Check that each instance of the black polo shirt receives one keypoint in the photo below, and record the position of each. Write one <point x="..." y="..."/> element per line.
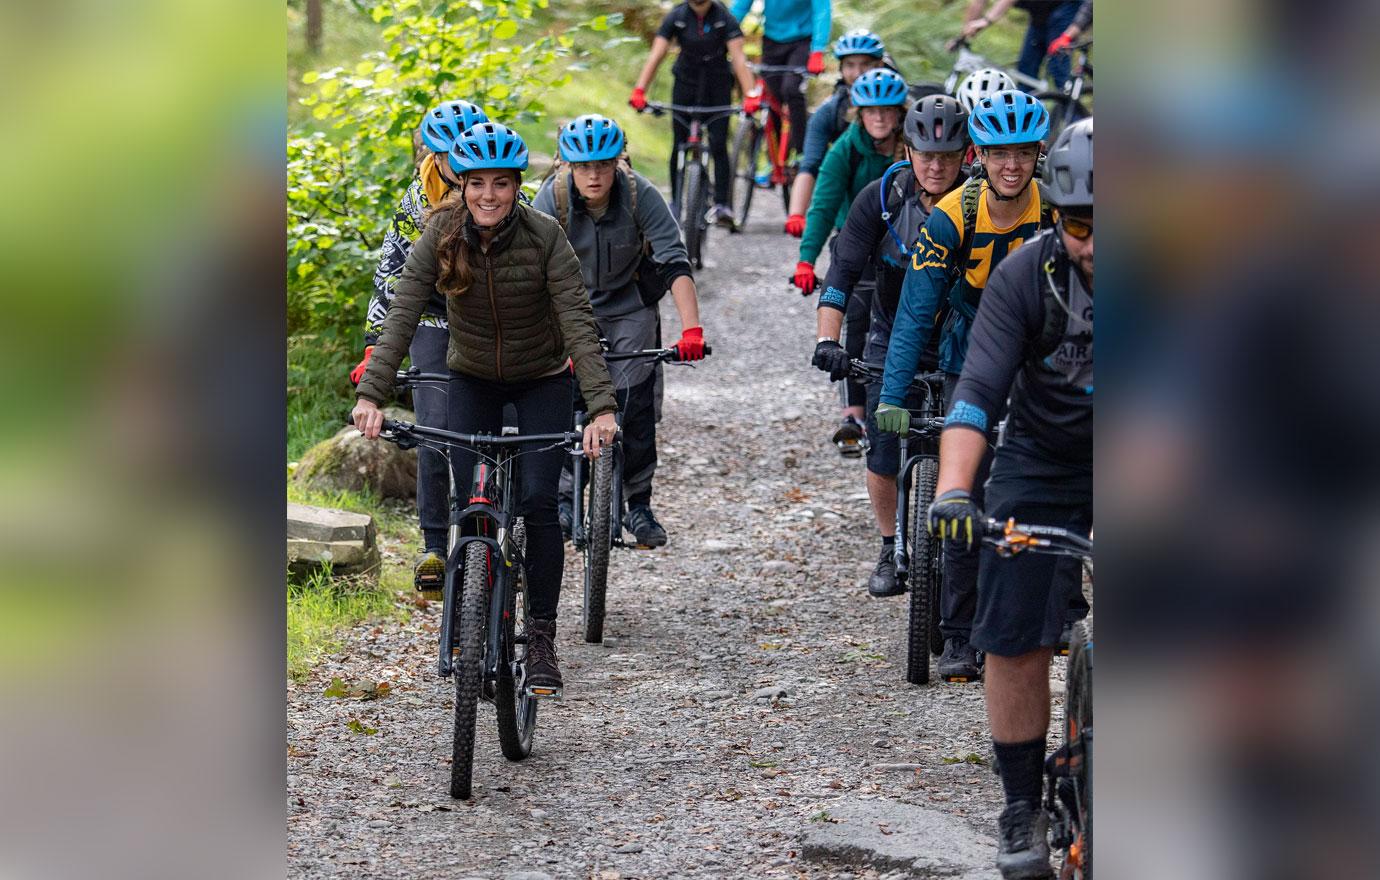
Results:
<point x="703" y="42"/>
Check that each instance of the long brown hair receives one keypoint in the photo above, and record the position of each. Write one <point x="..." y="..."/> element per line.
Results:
<point x="453" y="257"/>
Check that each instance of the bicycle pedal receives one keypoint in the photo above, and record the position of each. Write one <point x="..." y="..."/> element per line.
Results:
<point x="436" y="595"/>
<point x="851" y="448"/>
<point x="961" y="679"/>
<point x="543" y="693"/>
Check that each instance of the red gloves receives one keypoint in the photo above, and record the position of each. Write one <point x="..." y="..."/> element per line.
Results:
<point x="638" y="99"/>
<point x="795" y="225"/>
<point x="691" y="345"/>
<point x="753" y="102"/>
<point x="816" y="63"/>
<point x="804" y="278"/>
<point x="358" y="372"/>
<point x="1061" y="42"/>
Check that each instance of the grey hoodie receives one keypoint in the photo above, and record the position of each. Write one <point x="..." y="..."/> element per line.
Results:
<point x="610" y="248"/>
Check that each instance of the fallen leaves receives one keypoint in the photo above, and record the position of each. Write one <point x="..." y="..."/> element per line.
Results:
<point x="357" y="690"/>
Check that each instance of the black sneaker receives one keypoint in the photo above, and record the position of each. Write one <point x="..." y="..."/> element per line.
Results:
<point x="647" y="532"/>
<point x="1024" y="850"/>
<point x="429" y="574"/>
<point x="565" y="514"/>
<point x="959" y="662"/>
<point x="543" y="673"/>
<point x="850" y="438"/>
<point x="722" y="215"/>
<point x="883" y="582"/>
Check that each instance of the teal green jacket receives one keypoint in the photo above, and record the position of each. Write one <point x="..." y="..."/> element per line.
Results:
<point x="851" y="164"/>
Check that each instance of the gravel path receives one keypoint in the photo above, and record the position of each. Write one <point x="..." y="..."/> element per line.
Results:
<point x="746" y="683"/>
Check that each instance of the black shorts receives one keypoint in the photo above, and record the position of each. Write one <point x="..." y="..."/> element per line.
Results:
<point x="1024" y="601"/>
<point x="884" y="449"/>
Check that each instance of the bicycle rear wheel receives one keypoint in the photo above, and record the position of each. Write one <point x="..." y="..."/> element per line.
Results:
<point x="468" y="668"/>
<point x="693" y="190"/>
<point x="747" y="149"/>
<point x="517" y="712"/>
<point x="1078" y="728"/>
<point x="597" y="545"/>
<point x="922" y="564"/>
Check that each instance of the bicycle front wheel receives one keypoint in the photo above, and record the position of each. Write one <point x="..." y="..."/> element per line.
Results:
<point x="468" y="668"/>
<point x="922" y="565"/>
<point x="693" y="192"/>
<point x="747" y="149"/>
<point x="1078" y="722"/>
<point x="517" y="712"/>
<point x="597" y="545"/>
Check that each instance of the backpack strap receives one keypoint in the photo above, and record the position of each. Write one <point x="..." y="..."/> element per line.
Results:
<point x="1053" y="288"/>
<point x="561" y="192"/>
<point x="972" y="193"/>
<point x="882" y="193"/>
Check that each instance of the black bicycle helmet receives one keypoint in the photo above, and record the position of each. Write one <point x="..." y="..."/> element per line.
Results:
<point x="1069" y="167"/>
<point x="937" y="124"/>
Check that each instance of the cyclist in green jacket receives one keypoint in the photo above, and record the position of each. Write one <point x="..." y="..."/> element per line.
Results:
<point x="861" y="154"/>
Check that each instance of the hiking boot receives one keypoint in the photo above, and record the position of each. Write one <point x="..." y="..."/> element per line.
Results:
<point x="959" y="661"/>
<point x="1024" y="850"/>
<point x="647" y="532"/>
<point x="542" y="669"/>
<point x="850" y="438"/>
<point x="722" y="215"/>
<point x="565" y="514"/>
<point x="883" y="582"/>
<point x="429" y="574"/>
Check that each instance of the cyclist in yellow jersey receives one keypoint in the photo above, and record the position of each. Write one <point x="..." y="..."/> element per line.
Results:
<point x="970" y="231"/>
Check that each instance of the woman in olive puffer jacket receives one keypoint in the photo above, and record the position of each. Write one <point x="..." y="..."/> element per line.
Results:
<point x="517" y="308"/>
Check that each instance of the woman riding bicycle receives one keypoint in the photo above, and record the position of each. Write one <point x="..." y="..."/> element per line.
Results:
<point x="936" y="131"/>
<point x="795" y="33"/>
<point x="607" y="224"/>
<point x="858" y="52"/>
<point x="517" y="309"/>
<point x="709" y="38"/>
<point x="857" y="158"/>
<point x="432" y="183"/>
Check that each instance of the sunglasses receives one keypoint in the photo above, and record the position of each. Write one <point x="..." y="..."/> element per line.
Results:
<point x="1080" y="228"/>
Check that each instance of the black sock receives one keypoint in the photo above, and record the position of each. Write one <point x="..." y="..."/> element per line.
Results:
<point x="434" y="540"/>
<point x="888" y="544"/>
<point x="1022" y="769"/>
<point x="640" y="499"/>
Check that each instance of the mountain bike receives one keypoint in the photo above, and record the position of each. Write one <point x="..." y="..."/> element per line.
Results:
<point x="484" y="597"/>
<point x="969" y="61"/>
<point x="745" y="157"/>
<point x="597" y="507"/>
<point x="919" y="556"/>
<point x="693" y="160"/>
<point x="1068" y="770"/>
<point x="1067" y="106"/>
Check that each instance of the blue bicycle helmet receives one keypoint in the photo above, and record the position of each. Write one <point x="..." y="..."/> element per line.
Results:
<point x="488" y="146"/>
<point x="590" y="138"/>
<point x="859" y="42"/>
<point x="880" y="88"/>
<point x="447" y="121"/>
<point x="1008" y="117"/>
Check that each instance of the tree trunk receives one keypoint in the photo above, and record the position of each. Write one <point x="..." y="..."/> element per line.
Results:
<point x="314" y="26"/>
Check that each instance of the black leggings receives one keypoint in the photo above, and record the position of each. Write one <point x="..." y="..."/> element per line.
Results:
<point x="789" y="87"/>
<point x="543" y="406"/>
<point x="703" y="94"/>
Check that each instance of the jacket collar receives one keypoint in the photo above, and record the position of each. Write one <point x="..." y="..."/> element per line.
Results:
<point x="503" y="236"/>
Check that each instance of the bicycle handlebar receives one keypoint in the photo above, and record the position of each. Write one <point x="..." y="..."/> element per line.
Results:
<point x="662" y="354"/>
<point x="657" y="108"/>
<point x="860" y="369"/>
<point x="1010" y="537"/>
<point x="394" y="430"/>
<point x="779" y="68"/>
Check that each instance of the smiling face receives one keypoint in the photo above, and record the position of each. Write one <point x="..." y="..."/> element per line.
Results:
<point x="1010" y="168"/>
<point x="853" y="66"/>
<point x="1076" y="230"/>
<point x="594" y="180"/>
<point x="936" y="172"/>
<point x="490" y="195"/>
<point x="880" y="122"/>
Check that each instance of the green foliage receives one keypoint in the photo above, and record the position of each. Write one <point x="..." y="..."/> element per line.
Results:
<point x="344" y="181"/>
<point x="319" y="608"/>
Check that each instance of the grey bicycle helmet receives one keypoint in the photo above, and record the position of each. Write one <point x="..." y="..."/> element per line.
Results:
<point x="979" y="84"/>
<point x="1069" y="167"/>
<point x="937" y="124"/>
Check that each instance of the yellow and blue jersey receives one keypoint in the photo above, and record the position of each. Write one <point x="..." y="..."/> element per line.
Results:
<point x="934" y="277"/>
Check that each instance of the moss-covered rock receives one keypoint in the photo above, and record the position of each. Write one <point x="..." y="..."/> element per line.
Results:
<point x="348" y="461"/>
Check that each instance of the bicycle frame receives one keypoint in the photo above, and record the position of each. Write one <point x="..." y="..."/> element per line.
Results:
<point x="969" y="61"/>
<point x="778" y="124"/>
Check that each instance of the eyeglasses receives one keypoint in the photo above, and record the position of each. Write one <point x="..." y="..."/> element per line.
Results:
<point x="595" y="167"/>
<point x="1022" y="156"/>
<point x="935" y="158"/>
<point x="1080" y="228"/>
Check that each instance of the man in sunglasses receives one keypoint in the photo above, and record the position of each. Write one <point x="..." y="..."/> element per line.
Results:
<point x="1033" y="342"/>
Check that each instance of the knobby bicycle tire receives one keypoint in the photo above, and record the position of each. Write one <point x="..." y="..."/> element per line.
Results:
<point x="747" y="149"/>
<point x="468" y="668"/>
<point x="600" y="540"/>
<point x="517" y="712"/>
<point x="921" y="563"/>
<point x="693" y="190"/>
<point x="1078" y="713"/>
